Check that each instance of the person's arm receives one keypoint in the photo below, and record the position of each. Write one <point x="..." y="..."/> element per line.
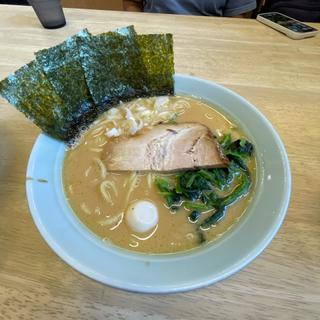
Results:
<point x="239" y="9"/>
<point x="132" y="5"/>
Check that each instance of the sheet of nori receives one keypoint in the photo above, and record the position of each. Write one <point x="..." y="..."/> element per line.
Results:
<point x="157" y="53"/>
<point x="63" y="68"/>
<point x="114" y="68"/>
<point x="30" y="92"/>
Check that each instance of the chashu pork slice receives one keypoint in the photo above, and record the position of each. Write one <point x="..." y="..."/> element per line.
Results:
<point x="165" y="147"/>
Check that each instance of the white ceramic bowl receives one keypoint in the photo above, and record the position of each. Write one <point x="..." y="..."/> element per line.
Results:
<point x="81" y="249"/>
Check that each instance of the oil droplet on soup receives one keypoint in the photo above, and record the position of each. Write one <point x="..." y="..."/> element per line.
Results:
<point x="110" y="204"/>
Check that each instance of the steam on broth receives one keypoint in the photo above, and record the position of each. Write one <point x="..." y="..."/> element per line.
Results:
<point x="102" y="200"/>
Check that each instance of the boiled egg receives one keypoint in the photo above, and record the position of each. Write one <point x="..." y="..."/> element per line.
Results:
<point x="142" y="216"/>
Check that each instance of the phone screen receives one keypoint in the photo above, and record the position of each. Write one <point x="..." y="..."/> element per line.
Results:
<point x="287" y="22"/>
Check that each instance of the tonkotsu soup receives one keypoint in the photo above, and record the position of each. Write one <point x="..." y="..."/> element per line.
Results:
<point x="103" y="200"/>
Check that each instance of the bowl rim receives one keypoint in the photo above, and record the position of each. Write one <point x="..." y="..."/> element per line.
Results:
<point x="188" y="285"/>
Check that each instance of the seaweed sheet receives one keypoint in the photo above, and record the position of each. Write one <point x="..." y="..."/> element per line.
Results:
<point x="113" y="66"/>
<point x="157" y="53"/>
<point x="58" y="93"/>
<point x="63" y="68"/>
<point x="30" y="92"/>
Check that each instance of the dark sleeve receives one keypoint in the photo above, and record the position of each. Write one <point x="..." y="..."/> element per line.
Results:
<point x="235" y="7"/>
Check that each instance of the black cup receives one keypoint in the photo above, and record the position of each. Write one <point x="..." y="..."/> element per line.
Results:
<point x="49" y="13"/>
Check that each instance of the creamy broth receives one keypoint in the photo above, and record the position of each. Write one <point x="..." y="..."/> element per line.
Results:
<point x="100" y="199"/>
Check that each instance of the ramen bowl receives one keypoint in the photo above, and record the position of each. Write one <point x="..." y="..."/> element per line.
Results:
<point x="163" y="273"/>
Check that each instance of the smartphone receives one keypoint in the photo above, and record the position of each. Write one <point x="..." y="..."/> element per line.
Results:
<point x="293" y="28"/>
